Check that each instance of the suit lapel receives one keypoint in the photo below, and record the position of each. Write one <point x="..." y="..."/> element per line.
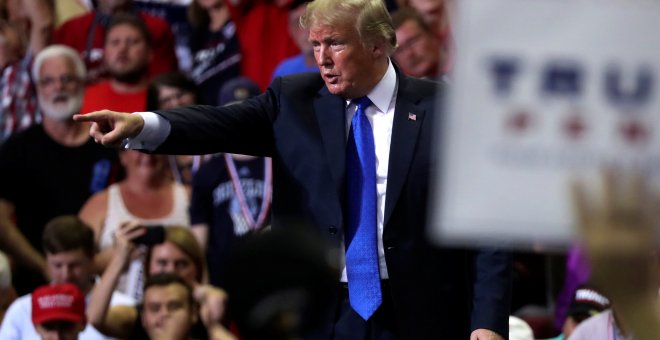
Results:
<point x="331" y="117"/>
<point x="408" y="118"/>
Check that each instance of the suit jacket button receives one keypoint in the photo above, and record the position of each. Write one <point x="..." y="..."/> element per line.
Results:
<point x="332" y="230"/>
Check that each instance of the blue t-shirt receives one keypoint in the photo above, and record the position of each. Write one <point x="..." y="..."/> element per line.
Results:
<point x="293" y="65"/>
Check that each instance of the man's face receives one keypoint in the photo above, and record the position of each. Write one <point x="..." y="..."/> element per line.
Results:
<point x="170" y="97"/>
<point x="71" y="266"/>
<point x="347" y="66"/>
<point x="418" y="52"/>
<point x="433" y="11"/>
<point x="59" y="90"/>
<point x="126" y="53"/>
<point x="167" y="312"/>
<point x="300" y="35"/>
<point x="59" y="330"/>
<point x="168" y="258"/>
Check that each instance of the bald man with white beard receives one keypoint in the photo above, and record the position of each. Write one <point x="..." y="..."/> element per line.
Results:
<point x="51" y="168"/>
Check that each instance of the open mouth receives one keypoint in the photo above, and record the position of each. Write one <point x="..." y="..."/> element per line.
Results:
<point x="331" y="78"/>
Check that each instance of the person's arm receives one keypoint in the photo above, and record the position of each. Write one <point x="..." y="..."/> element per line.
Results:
<point x="492" y="294"/>
<point x="93" y="213"/>
<point x="15" y="244"/>
<point x="41" y="14"/>
<point x="115" y="321"/>
<point x="201" y="232"/>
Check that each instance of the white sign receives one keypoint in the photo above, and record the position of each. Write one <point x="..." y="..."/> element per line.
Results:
<point x="542" y="90"/>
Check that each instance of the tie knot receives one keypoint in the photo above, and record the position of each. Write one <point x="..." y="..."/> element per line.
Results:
<point x="362" y="103"/>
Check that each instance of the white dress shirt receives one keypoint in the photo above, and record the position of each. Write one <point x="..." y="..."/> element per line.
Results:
<point x="380" y="115"/>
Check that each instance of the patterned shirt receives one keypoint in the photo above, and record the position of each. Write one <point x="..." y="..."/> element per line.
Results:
<point x="18" y="98"/>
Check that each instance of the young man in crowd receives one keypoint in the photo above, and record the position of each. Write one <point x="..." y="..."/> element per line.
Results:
<point x="69" y="247"/>
<point x="168" y="308"/>
<point x="58" y="311"/>
<point x="127" y="56"/>
<point x="86" y="34"/>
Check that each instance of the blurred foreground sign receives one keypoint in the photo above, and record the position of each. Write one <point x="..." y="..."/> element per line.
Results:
<point x="543" y="91"/>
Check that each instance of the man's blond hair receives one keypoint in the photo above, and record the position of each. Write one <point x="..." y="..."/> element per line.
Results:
<point x="370" y="17"/>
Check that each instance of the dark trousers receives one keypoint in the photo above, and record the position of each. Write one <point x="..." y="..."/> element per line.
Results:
<point x="349" y="325"/>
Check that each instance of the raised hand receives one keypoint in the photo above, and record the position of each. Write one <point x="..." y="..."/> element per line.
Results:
<point x="110" y="128"/>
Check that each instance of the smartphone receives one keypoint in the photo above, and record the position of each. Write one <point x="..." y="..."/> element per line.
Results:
<point x="153" y="235"/>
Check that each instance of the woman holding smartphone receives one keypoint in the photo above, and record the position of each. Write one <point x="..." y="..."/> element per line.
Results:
<point x="148" y="195"/>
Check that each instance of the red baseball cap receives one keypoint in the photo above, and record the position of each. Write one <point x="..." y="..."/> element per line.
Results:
<point x="61" y="302"/>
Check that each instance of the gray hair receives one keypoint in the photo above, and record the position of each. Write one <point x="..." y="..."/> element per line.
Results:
<point x="53" y="51"/>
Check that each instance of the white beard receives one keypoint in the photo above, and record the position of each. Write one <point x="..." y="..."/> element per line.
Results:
<point x="61" y="111"/>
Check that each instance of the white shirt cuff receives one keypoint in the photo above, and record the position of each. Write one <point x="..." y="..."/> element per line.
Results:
<point x="154" y="132"/>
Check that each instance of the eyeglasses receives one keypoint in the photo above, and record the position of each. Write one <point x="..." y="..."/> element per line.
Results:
<point x="65" y="80"/>
<point x="173" y="98"/>
<point x="409" y="43"/>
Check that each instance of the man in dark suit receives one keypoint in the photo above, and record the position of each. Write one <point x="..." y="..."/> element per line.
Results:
<point x="302" y="122"/>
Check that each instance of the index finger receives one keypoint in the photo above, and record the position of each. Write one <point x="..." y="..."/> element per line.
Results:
<point x="90" y="117"/>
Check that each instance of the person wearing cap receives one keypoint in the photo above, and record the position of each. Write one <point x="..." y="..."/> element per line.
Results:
<point x="587" y="302"/>
<point x="58" y="311"/>
<point x="353" y="159"/>
<point x="69" y="247"/>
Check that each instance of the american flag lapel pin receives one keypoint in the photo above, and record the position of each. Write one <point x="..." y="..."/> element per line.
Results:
<point x="412" y="116"/>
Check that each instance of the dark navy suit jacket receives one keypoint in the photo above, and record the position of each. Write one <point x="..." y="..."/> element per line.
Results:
<point x="437" y="293"/>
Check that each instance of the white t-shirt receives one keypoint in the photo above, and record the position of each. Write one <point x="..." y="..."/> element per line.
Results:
<point x="17" y="324"/>
<point x="600" y="326"/>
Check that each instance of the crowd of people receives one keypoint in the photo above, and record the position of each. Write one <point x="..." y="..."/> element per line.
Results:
<point x="218" y="169"/>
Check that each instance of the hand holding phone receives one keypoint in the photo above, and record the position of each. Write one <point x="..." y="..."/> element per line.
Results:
<point x="152" y="235"/>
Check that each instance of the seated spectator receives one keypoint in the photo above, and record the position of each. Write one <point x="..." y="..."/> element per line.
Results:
<point x="168" y="308"/>
<point x="216" y="54"/>
<point x="58" y="311"/>
<point x="171" y="90"/>
<point x="69" y="247"/>
<point x="168" y="91"/>
<point x="147" y="194"/>
<point x="436" y="14"/>
<point x="49" y="169"/>
<point x="305" y="61"/>
<point x="18" y="107"/>
<point x="418" y="49"/>
<point x="179" y="253"/>
<point x="127" y="56"/>
<point x="86" y="34"/>
<point x="586" y="303"/>
<point x="231" y="194"/>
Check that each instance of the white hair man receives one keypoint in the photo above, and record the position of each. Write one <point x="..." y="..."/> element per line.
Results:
<point x="51" y="168"/>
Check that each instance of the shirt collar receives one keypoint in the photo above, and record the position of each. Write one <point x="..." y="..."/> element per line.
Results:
<point x="383" y="93"/>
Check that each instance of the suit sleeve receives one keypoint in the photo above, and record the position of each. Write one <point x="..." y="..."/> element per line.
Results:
<point x="492" y="291"/>
<point x="245" y="128"/>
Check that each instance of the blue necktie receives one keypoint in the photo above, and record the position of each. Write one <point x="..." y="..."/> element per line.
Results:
<point x="361" y="239"/>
